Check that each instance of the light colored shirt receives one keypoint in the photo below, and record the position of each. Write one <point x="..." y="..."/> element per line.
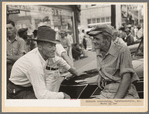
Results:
<point x="60" y="50"/>
<point x="69" y="37"/>
<point x="112" y="67"/>
<point x="29" y="71"/>
<point x="65" y="42"/>
<point x="116" y="63"/>
<point x="139" y="33"/>
<point x="16" y="47"/>
<point x="53" y="77"/>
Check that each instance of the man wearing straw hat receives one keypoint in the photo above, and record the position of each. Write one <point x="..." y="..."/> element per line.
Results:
<point x="116" y="72"/>
<point x="28" y="77"/>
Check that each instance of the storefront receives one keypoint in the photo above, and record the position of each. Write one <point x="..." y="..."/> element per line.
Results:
<point x="59" y="17"/>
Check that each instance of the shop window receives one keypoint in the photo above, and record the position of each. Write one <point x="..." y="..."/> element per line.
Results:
<point x="89" y="21"/>
<point x="98" y="20"/>
<point x="32" y="16"/>
<point x="94" y="20"/>
<point x="102" y="19"/>
<point x="107" y="19"/>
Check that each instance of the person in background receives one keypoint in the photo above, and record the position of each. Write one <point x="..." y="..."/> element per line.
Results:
<point x="65" y="42"/>
<point x="15" y="46"/>
<point x="117" y="39"/>
<point x="28" y="76"/>
<point x="122" y="33"/>
<point x="35" y="34"/>
<point x="129" y="38"/>
<point x="84" y="42"/>
<point x="139" y="32"/>
<point x="23" y="34"/>
<point x="81" y="36"/>
<point x="69" y="37"/>
<point x="76" y="51"/>
<point x="114" y="64"/>
<point x="33" y="44"/>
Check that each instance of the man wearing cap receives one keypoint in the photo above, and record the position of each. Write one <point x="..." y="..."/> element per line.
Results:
<point x="15" y="46"/>
<point x="114" y="63"/>
<point x="23" y="34"/>
<point x="28" y="76"/>
<point x="122" y="33"/>
<point x="129" y="38"/>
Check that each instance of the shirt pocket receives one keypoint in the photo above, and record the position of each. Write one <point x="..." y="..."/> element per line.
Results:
<point x="110" y="70"/>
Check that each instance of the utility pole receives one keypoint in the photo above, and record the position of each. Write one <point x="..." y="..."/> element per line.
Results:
<point x="113" y="16"/>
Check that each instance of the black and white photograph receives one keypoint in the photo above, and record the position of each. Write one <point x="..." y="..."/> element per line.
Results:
<point x="74" y="52"/>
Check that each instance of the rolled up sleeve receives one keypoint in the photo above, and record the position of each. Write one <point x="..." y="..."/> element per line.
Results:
<point x="36" y="77"/>
<point x="63" y="63"/>
<point x="126" y="64"/>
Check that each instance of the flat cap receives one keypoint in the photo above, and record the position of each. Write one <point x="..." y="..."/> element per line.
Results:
<point x="22" y="30"/>
<point x="101" y="29"/>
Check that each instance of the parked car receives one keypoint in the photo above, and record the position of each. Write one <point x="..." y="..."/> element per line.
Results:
<point x="78" y="90"/>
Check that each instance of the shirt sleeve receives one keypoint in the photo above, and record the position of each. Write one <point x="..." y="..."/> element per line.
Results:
<point x="126" y="64"/>
<point x="36" y="77"/>
<point x="22" y="46"/>
<point x="63" y="63"/>
<point x="59" y="49"/>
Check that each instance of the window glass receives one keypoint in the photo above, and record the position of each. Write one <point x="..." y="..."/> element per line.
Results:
<point x="89" y="21"/>
<point x="98" y="20"/>
<point x="33" y="16"/>
<point x="107" y="19"/>
<point x="102" y="19"/>
<point x="94" y="20"/>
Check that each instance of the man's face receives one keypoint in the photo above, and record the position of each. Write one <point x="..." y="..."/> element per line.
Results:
<point x="48" y="50"/>
<point x="11" y="31"/>
<point x="62" y="35"/>
<point x="24" y="35"/>
<point x="99" y="41"/>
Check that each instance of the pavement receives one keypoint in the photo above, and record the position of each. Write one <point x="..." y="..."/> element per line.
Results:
<point x="86" y="63"/>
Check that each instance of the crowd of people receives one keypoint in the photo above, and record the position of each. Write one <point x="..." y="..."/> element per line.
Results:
<point x="37" y="65"/>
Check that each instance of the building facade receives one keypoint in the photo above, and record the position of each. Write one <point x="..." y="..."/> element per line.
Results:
<point x="93" y="14"/>
<point x="58" y="17"/>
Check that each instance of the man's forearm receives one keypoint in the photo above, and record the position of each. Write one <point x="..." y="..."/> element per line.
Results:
<point x="73" y="71"/>
<point x="124" y="86"/>
<point x="67" y="59"/>
<point x="13" y="58"/>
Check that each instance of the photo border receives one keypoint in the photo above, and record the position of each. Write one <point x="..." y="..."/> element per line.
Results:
<point x="42" y="109"/>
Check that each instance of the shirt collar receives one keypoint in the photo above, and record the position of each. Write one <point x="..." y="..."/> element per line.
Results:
<point x="112" y="50"/>
<point x="15" y="39"/>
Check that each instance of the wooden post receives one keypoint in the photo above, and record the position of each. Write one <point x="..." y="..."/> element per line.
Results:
<point x="113" y="16"/>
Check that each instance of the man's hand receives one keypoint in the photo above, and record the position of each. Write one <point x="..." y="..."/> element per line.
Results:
<point x="91" y="80"/>
<point x="66" y="96"/>
<point x="99" y="82"/>
<point x="80" y="73"/>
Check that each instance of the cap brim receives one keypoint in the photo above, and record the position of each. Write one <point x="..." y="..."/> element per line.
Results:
<point x="55" y="42"/>
<point x="93" y="33"/>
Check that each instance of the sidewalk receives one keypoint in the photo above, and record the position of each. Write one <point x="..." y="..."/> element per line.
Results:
<point x="87" y="63"/>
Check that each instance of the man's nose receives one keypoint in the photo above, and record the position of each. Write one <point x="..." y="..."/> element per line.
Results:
<point x="54" y="48"/>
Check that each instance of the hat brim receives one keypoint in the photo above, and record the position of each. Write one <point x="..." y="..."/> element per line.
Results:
<point x="55" y="42"/>
<point x="93" y="33"/>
